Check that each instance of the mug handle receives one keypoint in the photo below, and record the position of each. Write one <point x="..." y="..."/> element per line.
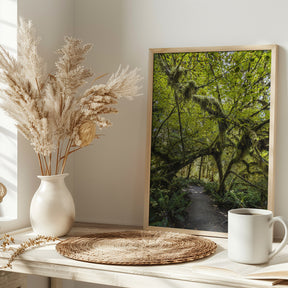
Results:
<point x="285" y="238"/>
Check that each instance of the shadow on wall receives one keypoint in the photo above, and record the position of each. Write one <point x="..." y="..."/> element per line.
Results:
<point x="8" y="169"/>
<point x="8" y="132"/>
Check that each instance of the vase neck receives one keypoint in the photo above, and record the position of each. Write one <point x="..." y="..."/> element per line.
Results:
<point x="53" y="178"/>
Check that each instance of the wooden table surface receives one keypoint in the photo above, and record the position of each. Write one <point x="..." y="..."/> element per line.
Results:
<point x="208" y="272"/>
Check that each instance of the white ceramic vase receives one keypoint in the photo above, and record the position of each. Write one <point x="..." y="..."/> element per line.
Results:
<point x="52" y="210"/>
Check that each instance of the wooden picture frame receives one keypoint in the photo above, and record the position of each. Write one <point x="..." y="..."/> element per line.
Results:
<point x="212" y="108"/>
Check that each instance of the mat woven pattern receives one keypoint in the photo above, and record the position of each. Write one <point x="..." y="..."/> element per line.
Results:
<point x="137" y="247"/>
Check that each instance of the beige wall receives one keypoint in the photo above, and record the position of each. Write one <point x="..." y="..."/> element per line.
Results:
<point x="8" y="131"/>
<point x="109" y="176"/>
<point x="110" y="173"/>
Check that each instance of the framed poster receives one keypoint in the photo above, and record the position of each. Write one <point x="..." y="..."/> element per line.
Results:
<point x="211" y="118"/>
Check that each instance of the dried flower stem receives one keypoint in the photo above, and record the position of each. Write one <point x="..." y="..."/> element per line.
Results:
<point x="6" y="241"/>
<point x="70" y="152"/>
<point x="66" y="155"/>
<point x="24" y="246"/>
<point x="50" y="163"/>
<point x="46" y="166"/>
<point x="99" y="77"/>
<point x="57" y="157"/>
<point x="40" y="164"/>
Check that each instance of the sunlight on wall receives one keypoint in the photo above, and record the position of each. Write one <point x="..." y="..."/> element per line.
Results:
<point x="8" y="133"/>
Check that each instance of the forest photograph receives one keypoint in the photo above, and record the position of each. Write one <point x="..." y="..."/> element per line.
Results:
<point x="209" y="136"/>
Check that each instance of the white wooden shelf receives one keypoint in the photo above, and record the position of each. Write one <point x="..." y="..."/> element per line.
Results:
<point x="209" y="272"/>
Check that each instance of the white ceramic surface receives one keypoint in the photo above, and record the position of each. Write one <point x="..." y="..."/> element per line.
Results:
<point x="52" y="210"/>
<point x="250" y="235"/>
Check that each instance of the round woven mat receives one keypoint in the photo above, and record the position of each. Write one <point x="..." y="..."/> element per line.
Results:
<point x="137" y="247"/>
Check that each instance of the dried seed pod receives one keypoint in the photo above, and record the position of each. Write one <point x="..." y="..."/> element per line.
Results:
<point x="3" y="191"/>
<point x="87" y="132"/>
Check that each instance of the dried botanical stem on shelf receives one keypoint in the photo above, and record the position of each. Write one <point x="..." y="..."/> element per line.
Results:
<point x="8" y="240"/>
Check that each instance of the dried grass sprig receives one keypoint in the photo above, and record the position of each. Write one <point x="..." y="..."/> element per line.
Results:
<point x="28" y="57"/>
<point x="3" y="191"/>
<point x="8" y="240"/>
<point x="46" y="108"/>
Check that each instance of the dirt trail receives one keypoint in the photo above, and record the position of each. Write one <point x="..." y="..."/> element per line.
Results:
<point x="203" y="214"/>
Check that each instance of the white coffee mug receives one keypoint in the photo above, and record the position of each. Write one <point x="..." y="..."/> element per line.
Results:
<point x="250" y="235"/>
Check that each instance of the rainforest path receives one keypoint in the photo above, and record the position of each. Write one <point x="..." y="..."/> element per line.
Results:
<point x="203" y="214"/>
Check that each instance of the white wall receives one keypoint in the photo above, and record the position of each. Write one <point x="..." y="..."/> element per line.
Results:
<point x="111" y="173"/>
<point x="109" y="176"/>
<point x="8" y="131"/>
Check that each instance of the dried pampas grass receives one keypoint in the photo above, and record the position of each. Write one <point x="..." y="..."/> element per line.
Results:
<point x="46" y="107"/>
<point x="7" y="241"/>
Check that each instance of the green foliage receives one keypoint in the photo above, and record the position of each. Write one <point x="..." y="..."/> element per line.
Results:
<point x="196" y="182"/>
<point x="242" y="196"/>
<point x="211" y="188"/>
<point x="210" y="122"/>
<point x="168" y="206"/>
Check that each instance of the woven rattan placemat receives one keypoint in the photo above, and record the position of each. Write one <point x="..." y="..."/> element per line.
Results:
<point x="137" y="247"/>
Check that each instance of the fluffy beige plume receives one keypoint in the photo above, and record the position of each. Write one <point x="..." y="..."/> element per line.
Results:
<point x="21" y="96"/>
<point x="60" y="98"/>
<point x="28" y="57"/>
<point x="124" y="83"/>
<point x="70" y="74"/>
<point x="99" y="99"/>
<point x="46" y="108"/>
